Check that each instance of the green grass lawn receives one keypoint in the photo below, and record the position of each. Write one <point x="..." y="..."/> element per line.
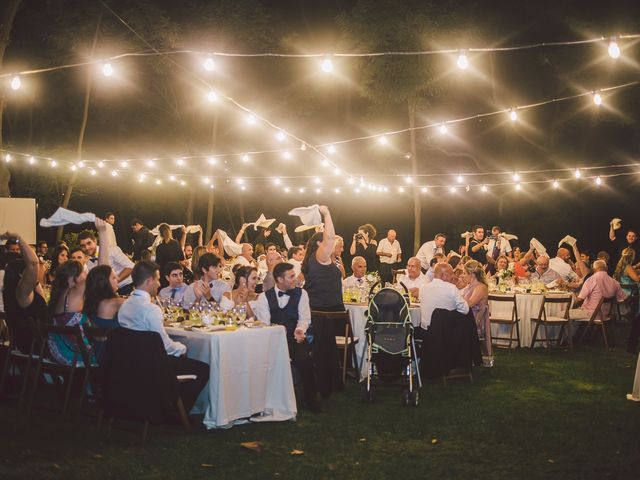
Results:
<point x="536" y="414"/>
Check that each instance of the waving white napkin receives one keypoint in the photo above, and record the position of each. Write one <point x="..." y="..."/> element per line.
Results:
<point x="62" y="216"/>
<point x="309" y="216"/>
<point x="568" y="239"/>
<point x="538" y="247"/>
<point x="616" y="223"/>
<point x="466" y="234"/>
<point x="508" y="236"/>
<point x="263" y="222"/>
<point x="190" y="228"/>
<point x="232" y="248"/>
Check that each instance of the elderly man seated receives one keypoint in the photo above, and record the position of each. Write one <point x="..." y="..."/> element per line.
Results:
<point x="440" y="293"/>
<point x="561" y="264"/>
<point x="414" y="279"/>
<point x="600" y="285"/>
<point x="359" y="267"/>
<point x="543" y="273"/>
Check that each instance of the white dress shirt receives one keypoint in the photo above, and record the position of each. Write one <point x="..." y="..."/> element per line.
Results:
<point x="439" y="294"/>
<point x="118" y="262"/>
<point x="417" y="282"/>
<point x="263" y="312"/>
<point x="240" y="260"/>
<point x="563" y="269"/>
<point x="426" y="253"/>
<point x="138" y="313"/>
<point x="385" y="246"/>
<point x="503" y="245"/>
<point x="353" y="281"/>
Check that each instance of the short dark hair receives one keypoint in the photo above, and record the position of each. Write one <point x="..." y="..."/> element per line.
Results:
<point x="206" y="261"/>
<point x="280" y="269"/>
<point x="83" y="235"/>
<point x="143" y="270"/>
<point x="293" y="250"/>
<point x="41" y="242"/>
<point x="475" y="227"/>
<point x="496" y="226"/>
<point x="270" y="244"/>
<point x="632" y="230"/>
<point x="136" y="221"/>
<point x="76" y="249"/>
<point x="12" y="241"/>
<point x="170" y="267"/>
<point x="440" y="235"/>
<point x="108" y="214"/>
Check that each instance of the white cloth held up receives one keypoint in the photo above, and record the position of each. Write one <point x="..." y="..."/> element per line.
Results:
<point x="263" y="222"/>
<point x="537" y="246"/>
<point x="62" y="216"/>
<point x="309" y="216"/>
<point x="616" y="223"/>
<point x="230" y="247"/>
<point x="569" y="240"/>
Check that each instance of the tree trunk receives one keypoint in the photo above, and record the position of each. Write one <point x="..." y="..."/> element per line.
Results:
<point x="210" y="202"/>
<point x="190" y="207"/>
<point x="9" y="10"/>
<point x="417" y="201"/>
<point x="83" y="127"/>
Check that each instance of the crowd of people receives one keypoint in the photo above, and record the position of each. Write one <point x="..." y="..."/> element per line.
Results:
<point x="96" y="283"/>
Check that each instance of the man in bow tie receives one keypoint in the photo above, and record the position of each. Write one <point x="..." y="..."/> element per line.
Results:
<point x="288" y="305"/>
<point x="359" y="267"/>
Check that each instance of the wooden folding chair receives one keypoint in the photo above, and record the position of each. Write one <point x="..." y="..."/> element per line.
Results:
<point x="632" y="302"/>
<point x="347" y="343"/>
<point x="396" y="273"/>
<point x="546" y="321"/>
<point x="601" y="319"/>
<point x="514" y="321"/>
<point x="16" y="358"/>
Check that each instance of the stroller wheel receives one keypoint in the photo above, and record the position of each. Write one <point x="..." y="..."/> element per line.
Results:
<point x="368" y="396"/>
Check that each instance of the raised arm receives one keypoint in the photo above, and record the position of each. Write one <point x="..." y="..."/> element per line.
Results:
<point x="581" y="268"/>
<point x="241" y="232"/>
<point x="323" y="254"/>
<point x="29" y="280"/>
<point x="103" y="253"/>
<point x="612" y="233"/>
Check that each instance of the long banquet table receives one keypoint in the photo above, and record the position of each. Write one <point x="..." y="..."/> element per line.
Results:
<point x="250" y="377"/>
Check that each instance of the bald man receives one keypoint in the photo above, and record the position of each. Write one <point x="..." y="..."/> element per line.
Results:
<point x="414" y="279"/>
<point x="359" y="267"/>
<point x="598" y="286"/>
<point x="390" y="253"/>
<point x="440" y="293"/>
<point x="246" y="257"/>
<point x="561" y="264"/>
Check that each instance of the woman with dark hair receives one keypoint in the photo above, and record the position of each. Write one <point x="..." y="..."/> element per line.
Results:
<point x="244" y="291"/>
<point x="364" y="245"/>
<point x="67" y="298"/>
<point x="169" y="250"/>
<point x="101" y="300"/>
<point x="22" y="295"/>
<point x="59" y="256"/>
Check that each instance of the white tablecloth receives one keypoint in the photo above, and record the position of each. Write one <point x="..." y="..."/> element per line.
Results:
<point x="250" y="374"/>
<point x="528" y="306"/>
<point x="359" y="322"/>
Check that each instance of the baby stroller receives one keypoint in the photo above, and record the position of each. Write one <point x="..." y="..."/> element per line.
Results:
<point x="390" y="348"/>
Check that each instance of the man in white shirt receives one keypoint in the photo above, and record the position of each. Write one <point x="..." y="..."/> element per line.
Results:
<point x="288" y="305"/>
<point x="560" y="264"/>
<point x="414" y="278"/>
<point x="175" y="277"/>
<point x="440" y="294"/>
<point x="497" y="246"/>
<point x="359" y="267"/>
<point x="429" y="249"/>
<point x="139" y="313"/>
<point x="119" y="262"/>
<point x="209" y="286"/>
<point x="246" y="257"/>
<point x="296" y="255"/>
<point x="390" y="253"/>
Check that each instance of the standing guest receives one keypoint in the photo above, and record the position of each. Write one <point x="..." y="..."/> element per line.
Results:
<point x="288" y="305"/>
<point x="174" y="277"/>
<point x="295" y="256"/>
<point x="440" y="293"/>
<point x="273" y="259"/>
<point x="390" y="254"/>
<point x="118" y="261"/>
<point x="139" y="313"/>
<point x="429" y="249"/>
<point x="188" y="253"/>
<point x="78" y="255"/>
<point x="142" y="238"/>
<point x="244" y="291"/>
<point x="359" y="268"/>
<point x="110" y="218"/>
<point x="66" y="304"/>
<point x="208" y="286"/>
<point x="42" y="248"/>
<point x="336" y="255"/>
<point x="497" y="247"/>
<point x="620" y="243"/>
<point x="476" y="294"/>
<point x="59" y="256"/>
<point x="414" y="279"/>
<point x="477" y="245"/>
<point x="169" y="250"/>
<point x="364" y="245"/>
<point x="101" y="299"/>
<point x="22" y="295"/>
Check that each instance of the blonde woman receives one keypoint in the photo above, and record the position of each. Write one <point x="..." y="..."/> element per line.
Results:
<point x="476" y="293"/>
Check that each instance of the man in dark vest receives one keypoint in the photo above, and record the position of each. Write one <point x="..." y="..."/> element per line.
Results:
<point x="288" y="305"/>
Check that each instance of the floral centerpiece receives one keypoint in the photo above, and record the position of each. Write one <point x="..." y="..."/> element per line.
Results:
<point x="373" y="278"/>
<point x="506" y="278"/>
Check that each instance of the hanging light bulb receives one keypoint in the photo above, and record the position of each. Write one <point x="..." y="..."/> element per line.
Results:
<point x="351" y="181"/>
<point x="107" y="70"/>
<point x="336" y="190"/>
<point x="301" y="190"/>
<point x="172" y="178"/>
<point x="277" y="181"/>
<point x="556" y="184"/>
<point x="8" y="157"/>
<point x="331" y="149"/>
<point x="597" y="99"/>
<point x="614" y="49"/>
<point x="100" y="164"/>
<point x="206" y="180"/>
<point x="74" y="168"/>
<point x="462" y="61"/>
<point x="280" y="136"/>
<point x="401" y="189"/>
<point x="318" y="190"/>
<point x="327" y="64"/>
<point x="53" y="164"/>
<point x="452" y="189"/>
<point x="516" y="177"/>
<point x="459" y="179"/>
<point x="287" y="189"/>
<point x="513" y="115"/>
<point x="158" y="181"/>
<point x="180" y="162"/>
<point x="93" y="172"/>
<point x="32" y="160"/>
<point x="424" y="190"/>
<point x="357" y="190"/>
<point x="212" y="96"/>
<point x="443" y="129"/>
<point x="598" y="181"/>
<point x="317" y="181"/>
<point x="303" y="147"/>
<point x="518" y="187"/>
<point x="16" y="83"/>
<point x="382" y="140"/>
<point x="287" y="155"/>
<point x="337" y="171"/>
<point x="114" y="173"/>
<point x="408" y="179"/>
<point x="150" y="163"/>
<point x="209" y="64"/>
<point x="182" y="183"/>
<point x="81" y="164"/>
<point x="245" y="158"/>
<point x="124" y="164"/>
<point x="251" y="119"/>
<point x="325" y="162"/>
<point x="484" y="189"/>
<point x="577" y="173"/>
<point x="211" y="160"/>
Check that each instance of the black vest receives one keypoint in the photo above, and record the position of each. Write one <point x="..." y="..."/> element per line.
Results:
<point x="287" y="316"/>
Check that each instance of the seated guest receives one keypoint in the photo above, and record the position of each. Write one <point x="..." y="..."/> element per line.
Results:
<point x="66" y="304"/>
<point x="476" y="294"/>
<point x="437" y="258"/>
<point x="169" y="250"/>
<point x="414" y="279"/>
<point x="101" y="299"/>
<point x="625" y="273"/>
<point x="139" y="313"/>
<point x="197" y="253"/>
<point x="543" y="273"/>
<point x="119" y="262"/>
<point x="78" y="255"/>
<point x="597" y="286"/>
<point x="288" y="305"/>
<point x="173" y="274"/>
<point x="440" y="293"/>
<point x="245" y="258"/>
<point x="273" y="258"/>
<point x="22" y="294"/>
<point x="209" y="286"/>
<point x="359" y="267"/>
<point x="244" y="291"/>
<point x="59" y="256"/>
<point x="561" y="263"/>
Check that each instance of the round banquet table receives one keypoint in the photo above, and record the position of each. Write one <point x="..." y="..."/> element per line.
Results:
<point x="358" y="323"/>
<point x="528" y="306"/>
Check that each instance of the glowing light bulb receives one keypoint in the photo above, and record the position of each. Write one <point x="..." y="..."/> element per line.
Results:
<point x="484" y="189"/>
<point x="114" y="173"/>
<point x="317" y="181"/>
<point x="327" y="65"/>
<point x="32" y="160"/>
<point x="180" y="162"/>
<point x="452" y="189"/>
<point x="331" y="149"/>
<point x="240" y="181"/>
<point x="337" y="171"/>
<point x="401" y="189"/>
<point x="107" y="70"/>
<point x="462" y="61"/>
<point x="556" y="184"/>
<point x="280" y="136"/>
<point x="614" y="49"/>
<point x="53" y="164"/>
<point x="209" y="64"/>
<point x="287" y="189"/>
<point x="408" y="179"/>
<point x="277" y="181"/>
<point x="93" y="172"/>
<point x="80" y="164"/>
<point x="382" y="140"/>
<point x="301" y="190"/>
<point x="172" y="178"/>
<point x="336" y="190"/>
<point x="386" y="189"/>
<point x="206" y="181"/>
<point x="74" y="168"/>
<point x="318" y="190"/>
<point x="158" y="181"/>
<point x="124" y="164"/>
<point x="424" y="190"/>
<point x="303" y="147"/>
<point x="182" y="183"/>
<point x="513" y="115"/>
<point x="516" y="177"/>
<point x="211" y="161"/>
<point x="100" y="164"/>
<point x="577" y="173"/>
<point x="459" y="179"/>
<point x="243" y="188"/>
<point x="597" y="99"/>
<point x="598" y="181"/>
<point x="245" y="158"/>
<point x="8" y="158"/>
<point x="351" y="181"/>
<point x="150" y="163"/>
<point x="443" y="129"/>
<point x="287" y="155"/>
<point x="357" y="190"/>
<point x="212" y="187"/>
<point x="518" y="187"/>
<point x="251" y="119"/>
<point x="212" y="96"/>
<point x="16" y="83"/>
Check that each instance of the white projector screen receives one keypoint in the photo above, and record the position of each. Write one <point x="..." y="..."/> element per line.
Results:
<point x="19" y="215"/>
